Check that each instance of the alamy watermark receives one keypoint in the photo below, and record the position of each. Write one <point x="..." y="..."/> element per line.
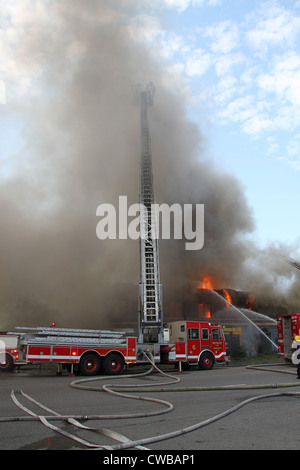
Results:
<point x="188" y="222"/>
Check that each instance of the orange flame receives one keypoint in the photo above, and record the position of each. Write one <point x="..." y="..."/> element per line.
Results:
<point x="227" y="297"/>
<point x="204" y="311"/>
<point x="206" y="283"/>
<point x="250" y="302"/>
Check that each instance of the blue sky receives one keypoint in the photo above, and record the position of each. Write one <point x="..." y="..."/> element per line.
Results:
<point x="238" y="64"/>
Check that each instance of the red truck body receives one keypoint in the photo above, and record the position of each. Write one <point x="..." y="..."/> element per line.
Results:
<point x="91" y="352"/>
<point x="288" y="326"/>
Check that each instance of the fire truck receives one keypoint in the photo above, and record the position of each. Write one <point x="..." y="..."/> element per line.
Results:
<point x="288" y="327"/>
<point x="92" y="351"/>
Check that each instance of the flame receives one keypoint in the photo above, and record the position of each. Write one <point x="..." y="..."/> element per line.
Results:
<point x="227" y="297"/>
<point x="250" y="302"/>
<point x="207" y="311"/>
<point x="206" y="283"/>
<point x="204" y="311"/>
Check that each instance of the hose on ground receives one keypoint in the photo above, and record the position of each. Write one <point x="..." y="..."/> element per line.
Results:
<point x="270" y="368"/>
<point x="118" y="390"/>
<point x="177" y="433"/>
<point x="45" y="421"/>
<point x="108" y="388"/>
<point x="180" y="432"/>
<point x="162" y="387"/>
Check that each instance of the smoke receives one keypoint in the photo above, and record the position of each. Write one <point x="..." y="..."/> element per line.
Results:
<point x="70" y="69"/>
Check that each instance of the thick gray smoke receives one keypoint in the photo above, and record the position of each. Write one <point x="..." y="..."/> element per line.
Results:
<point x="81" y="149"/>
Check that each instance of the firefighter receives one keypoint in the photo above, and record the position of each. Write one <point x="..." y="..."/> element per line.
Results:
<point x="296" y="354"/>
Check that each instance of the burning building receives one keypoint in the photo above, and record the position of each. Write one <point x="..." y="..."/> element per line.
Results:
<point x="236" y="310"/>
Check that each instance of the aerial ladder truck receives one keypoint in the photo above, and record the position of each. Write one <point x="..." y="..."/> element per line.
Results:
<point x="91" y="352"/>
<point x="150" y="295"/>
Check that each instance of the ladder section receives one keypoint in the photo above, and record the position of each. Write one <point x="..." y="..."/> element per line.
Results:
<point x="70" y="336"/>
<point x="150" y="308"/>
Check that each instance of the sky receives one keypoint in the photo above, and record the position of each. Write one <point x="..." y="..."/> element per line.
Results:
<point x="238" y="62"/>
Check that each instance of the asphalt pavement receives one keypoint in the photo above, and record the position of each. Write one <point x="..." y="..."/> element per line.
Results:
<point x="191" y="398"/>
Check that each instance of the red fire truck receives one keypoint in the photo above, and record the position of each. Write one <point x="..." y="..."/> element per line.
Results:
<point x="197" y="342"/>
<point x="91" y="352"/>
<point x="288" y="326"/>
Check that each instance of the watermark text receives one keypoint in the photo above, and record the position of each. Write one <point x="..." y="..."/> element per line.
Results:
<point x="158" y="221"/>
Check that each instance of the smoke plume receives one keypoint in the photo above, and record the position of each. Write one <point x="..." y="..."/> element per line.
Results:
<point x="72" y="65"/>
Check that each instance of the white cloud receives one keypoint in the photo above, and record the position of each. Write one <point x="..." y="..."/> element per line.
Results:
<point x="292" y="162"/>
<point x="274" y="26"/>
<point x="225" y="89"/>
<point x="198" y="62"/>
<point x="257" y="125"/>
<point x="283" y="79"/>
<point x="239" y="110"/>
<point x="292" y="155"/>
<point x="224" y="36"/>
<point x="172" y="44"/>
<point x="179" y="5"/>
<point x="214" y="3"/>
<point x="182" y="5"/>
<point x="225" y="62"/>
<point x="243" y="70"/>
<point x="259" y="92"/>
<point x="294" y="146"/>
<point x="273" y="145"/>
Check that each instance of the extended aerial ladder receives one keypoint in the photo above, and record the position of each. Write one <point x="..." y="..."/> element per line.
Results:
<point x="150" y="289"/>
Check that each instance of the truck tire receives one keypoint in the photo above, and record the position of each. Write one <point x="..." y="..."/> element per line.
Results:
<point x="90" y="364"/>
<point x="8" y="365"/>
<point x="113" y="364"/>
<point x="206" y="361"/>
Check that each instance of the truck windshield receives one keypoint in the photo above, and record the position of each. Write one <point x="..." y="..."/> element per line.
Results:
<point x="216" y="334"/>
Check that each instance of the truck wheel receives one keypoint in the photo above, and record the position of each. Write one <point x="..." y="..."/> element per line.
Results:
<point x="90" y="364"/>
<point x="8" y="365"/>
<point x="113" y="364"/>
<point x="206" y="361"/>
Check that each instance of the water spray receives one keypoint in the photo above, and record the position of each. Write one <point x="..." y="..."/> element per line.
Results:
<point x="239" y="311"/>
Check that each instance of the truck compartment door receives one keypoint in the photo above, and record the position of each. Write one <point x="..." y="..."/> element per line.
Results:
<point x="180" y="352"/>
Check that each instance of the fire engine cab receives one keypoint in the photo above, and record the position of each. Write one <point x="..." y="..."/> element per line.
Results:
<point x="197" y="342"/>
<point x="288" y="326"/>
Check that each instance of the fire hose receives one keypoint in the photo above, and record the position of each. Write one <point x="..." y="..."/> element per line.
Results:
<point x="150" y="388"/>
<point x="177" y="433"/>
<point x="118" y="390"/>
